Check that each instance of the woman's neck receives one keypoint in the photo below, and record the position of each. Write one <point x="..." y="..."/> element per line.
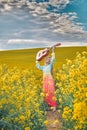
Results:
<point x="46" y="63"/>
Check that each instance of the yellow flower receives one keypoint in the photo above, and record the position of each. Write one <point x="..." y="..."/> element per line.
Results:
<point x="27" y="128"/>
<point x="54" y="98"/>
<point x="56" y="122"/>
<point x="46" y="122"/>
<point x="47" y="94"/>
<point x="22" y="117"/>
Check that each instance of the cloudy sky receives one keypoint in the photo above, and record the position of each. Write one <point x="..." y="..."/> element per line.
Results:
<point x="42" y="23"/>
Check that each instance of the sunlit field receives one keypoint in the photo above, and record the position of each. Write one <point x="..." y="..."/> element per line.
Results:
<point x="22" y="105"/>
<point x="24" y="58"/>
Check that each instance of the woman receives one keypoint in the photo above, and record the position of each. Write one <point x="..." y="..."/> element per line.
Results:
<point x="48" y="81"/>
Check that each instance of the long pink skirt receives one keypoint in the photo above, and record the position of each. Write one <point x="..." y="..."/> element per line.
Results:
<point x="49" y="90"/>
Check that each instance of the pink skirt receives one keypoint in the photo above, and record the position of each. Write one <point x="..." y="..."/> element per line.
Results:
<point x="49" y="90"/>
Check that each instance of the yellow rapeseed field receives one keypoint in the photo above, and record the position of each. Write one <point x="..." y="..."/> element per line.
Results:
<point x="22" y="105"/>
<point x="71" y="83"/>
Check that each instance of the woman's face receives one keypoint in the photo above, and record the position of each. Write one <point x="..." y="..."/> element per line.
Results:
<point x="47" y="60"/>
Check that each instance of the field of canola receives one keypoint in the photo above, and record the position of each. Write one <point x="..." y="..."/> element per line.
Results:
<point x="22" y="105"/>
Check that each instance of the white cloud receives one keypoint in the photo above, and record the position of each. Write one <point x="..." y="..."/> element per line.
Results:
<point x="60" y="4"/>
<point x="40" y="9"/>
<point x="59" y="23"/>
<point x="73" y="44"/>
<point x="46" y="42"/>
<point x="62" y="24"/>
<point x="27" y="41"/>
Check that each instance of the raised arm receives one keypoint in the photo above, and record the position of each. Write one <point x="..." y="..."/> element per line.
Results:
<point x="53" y="56"/>
<point x="39" y="66"/>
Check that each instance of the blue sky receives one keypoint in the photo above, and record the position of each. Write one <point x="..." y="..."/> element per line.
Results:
<point x="42" y="23"/>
